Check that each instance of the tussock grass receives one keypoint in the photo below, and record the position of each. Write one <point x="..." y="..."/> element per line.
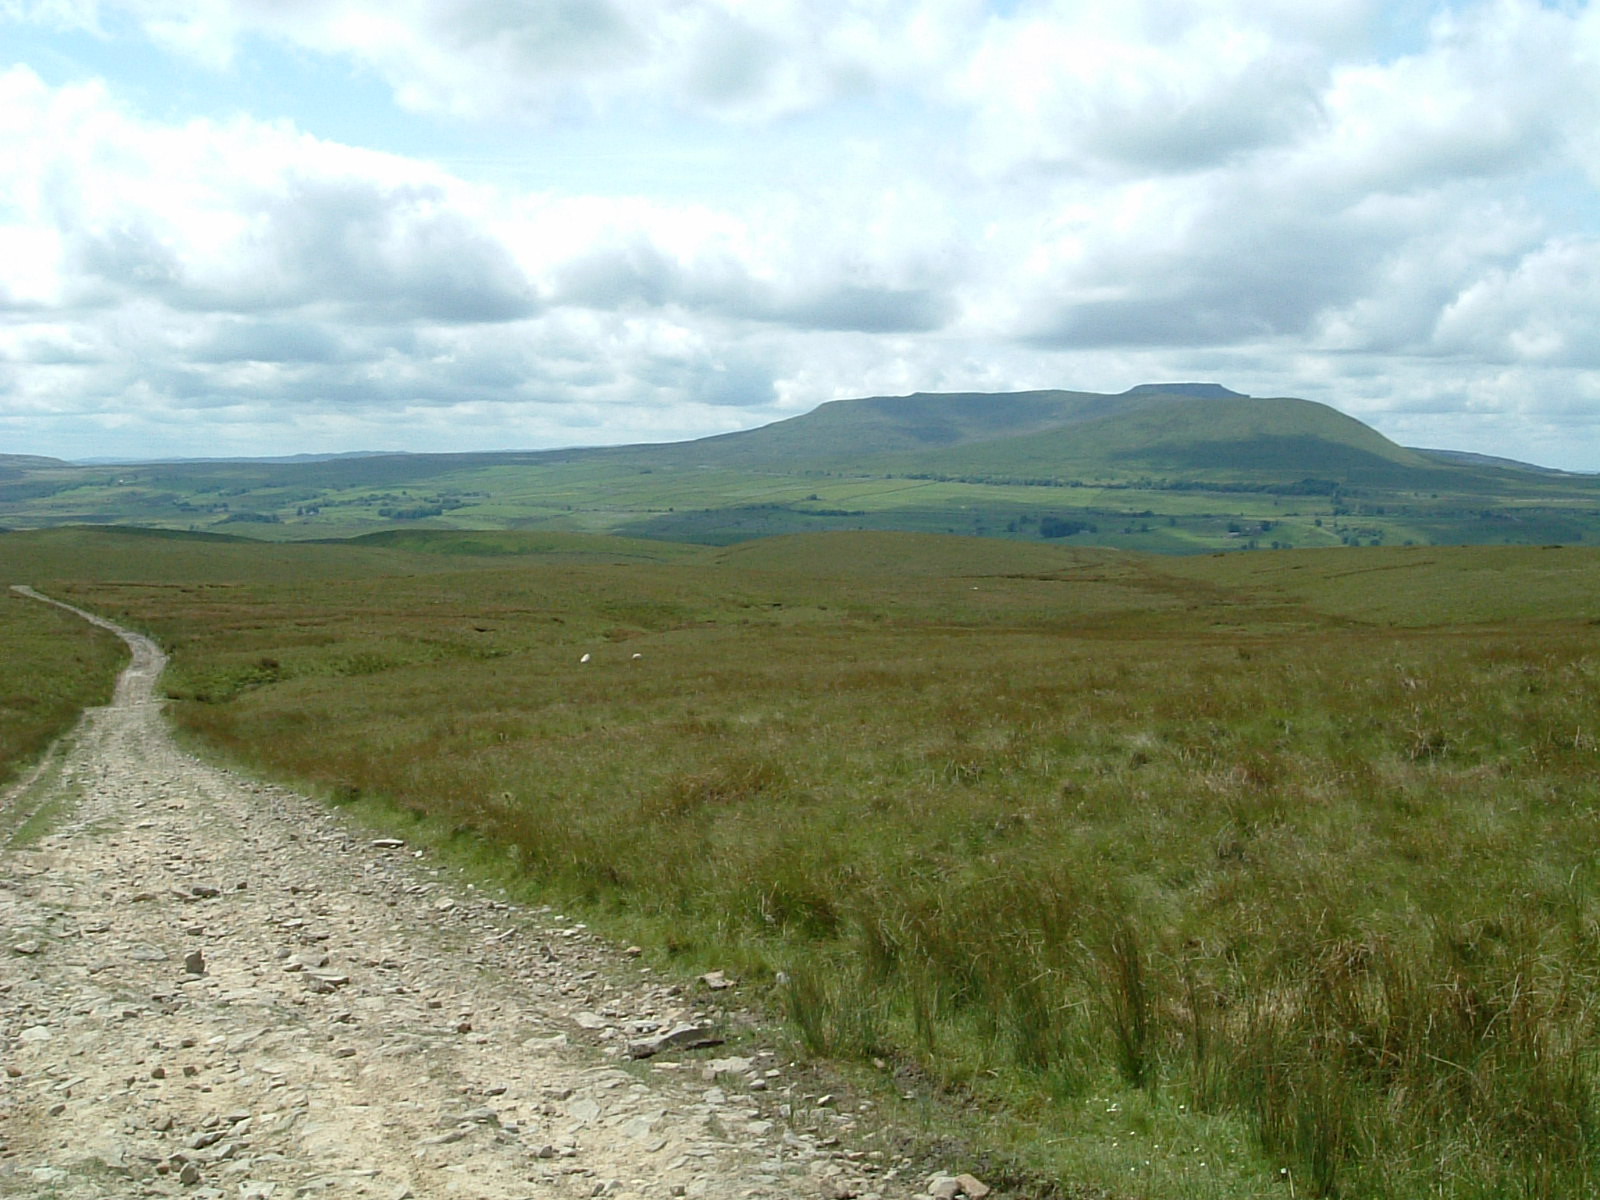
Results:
<point x="1152" y="871"/>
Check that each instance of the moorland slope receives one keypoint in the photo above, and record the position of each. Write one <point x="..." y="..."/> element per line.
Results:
<point x="1220" y="876"/>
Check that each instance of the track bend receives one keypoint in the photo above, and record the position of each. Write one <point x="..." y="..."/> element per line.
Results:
<point x="214" y="988"/>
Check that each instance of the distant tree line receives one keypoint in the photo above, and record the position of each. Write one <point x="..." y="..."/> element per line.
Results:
<point x="1060" y="527"/>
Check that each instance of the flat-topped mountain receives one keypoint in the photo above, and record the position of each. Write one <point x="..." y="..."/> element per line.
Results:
<point x="1162" y="435"/>
<point x="1201" y="391"/>
<point x="1169" y="467"/>
<point x="1170" y="431"/>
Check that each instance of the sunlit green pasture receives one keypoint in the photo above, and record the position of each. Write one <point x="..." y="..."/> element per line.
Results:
<point x="1224" y="876"/>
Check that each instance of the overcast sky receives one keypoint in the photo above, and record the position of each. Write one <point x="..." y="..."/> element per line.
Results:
<point x="272" y="226"/>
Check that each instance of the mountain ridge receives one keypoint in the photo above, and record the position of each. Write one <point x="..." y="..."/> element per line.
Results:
<point x="1148" y="428"/>
<point x="1167" y="467"/>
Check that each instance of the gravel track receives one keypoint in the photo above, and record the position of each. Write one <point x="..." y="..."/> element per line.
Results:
<point x="212" y="987"/>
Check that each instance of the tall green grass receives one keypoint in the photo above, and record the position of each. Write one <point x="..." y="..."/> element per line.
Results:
<point x="1141" y="863"/>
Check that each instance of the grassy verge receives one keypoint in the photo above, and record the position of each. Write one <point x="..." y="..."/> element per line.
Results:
<point x="1181" y="886"/>
<point x="54" y="666"/>
<point x="38" y="803"/>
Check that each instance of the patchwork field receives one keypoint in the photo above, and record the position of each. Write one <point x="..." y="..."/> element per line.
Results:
<point x="1250" y="875"/>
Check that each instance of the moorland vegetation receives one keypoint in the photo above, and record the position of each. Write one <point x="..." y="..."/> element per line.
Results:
<point x="1245" y="875"/>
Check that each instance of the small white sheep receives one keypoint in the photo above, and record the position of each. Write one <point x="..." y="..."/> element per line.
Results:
<point x="584" y="659"/>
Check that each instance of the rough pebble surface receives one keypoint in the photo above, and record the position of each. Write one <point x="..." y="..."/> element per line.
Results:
<point x="213" y="988"/>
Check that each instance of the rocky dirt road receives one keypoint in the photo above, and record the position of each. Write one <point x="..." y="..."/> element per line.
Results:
<point x="211" y="987"/>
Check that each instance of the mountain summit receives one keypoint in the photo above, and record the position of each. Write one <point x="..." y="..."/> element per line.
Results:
<point x="1152" y="431"/>
<point x="1200" y="391"/>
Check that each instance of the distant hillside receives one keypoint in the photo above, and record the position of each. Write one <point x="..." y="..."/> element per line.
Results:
<point x="1174" y="430"/>
<point x="842" y="430"/>
<point x="1234" y="438"/>
<point x="244" y="458"/>
<point x="16" y="466"/>
<point x="1468" y="458"/>
<point x="1165" y="467"/>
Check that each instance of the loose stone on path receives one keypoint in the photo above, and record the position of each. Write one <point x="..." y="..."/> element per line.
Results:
<point x="258" y="1003"/>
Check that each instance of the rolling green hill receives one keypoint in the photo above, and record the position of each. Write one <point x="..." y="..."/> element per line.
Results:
<point x="845" y="430"/>
<point x="842" y="432"/>
<point x="12" y="466"/>
<point x="1179" y="437"/>
<point x="1174" y="468"/>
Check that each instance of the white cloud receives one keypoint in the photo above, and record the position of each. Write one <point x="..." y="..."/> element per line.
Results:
<point x="1543" y="310"/>
<point x="1494" y="93"/>
<point x="1397" y="188"/>
<point x="1332" y="199"/>
<point x="1089" y="93"/>
<point x="242" y="217"/>
<point x="493" y="59"/>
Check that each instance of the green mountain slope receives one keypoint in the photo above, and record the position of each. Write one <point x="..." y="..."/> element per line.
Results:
<point x="1468" y="458"/>
<point x="843" y="430"/>
<point x="11" y="465"/>
<point x="1237" y="439"/>
<point x="1167" y="467"/>
<point x="1162" y="430"/>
